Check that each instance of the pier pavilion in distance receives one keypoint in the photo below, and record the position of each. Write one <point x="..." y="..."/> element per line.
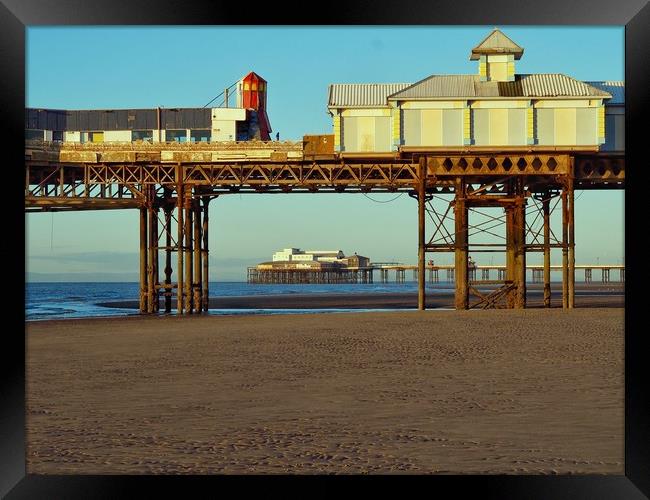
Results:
<point x="292" y="265"/>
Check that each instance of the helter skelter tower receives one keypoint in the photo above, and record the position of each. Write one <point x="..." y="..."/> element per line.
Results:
<point x="252" y="95"/>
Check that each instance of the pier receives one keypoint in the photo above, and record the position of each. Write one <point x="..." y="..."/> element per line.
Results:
<point x="434" y="273"/>
<point x="492" y="153"/>
<point x="171" y="185"/>
<point x="477" y="274"/>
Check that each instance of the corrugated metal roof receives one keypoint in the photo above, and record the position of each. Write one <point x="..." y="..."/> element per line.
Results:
<point x="470" y="86"/>
<point x="439" y="86"/>
<point x="496" y="43"/>
<point x="617" y="89"/>
<point x="556" y="85"/>
<point x="362" y="94"/>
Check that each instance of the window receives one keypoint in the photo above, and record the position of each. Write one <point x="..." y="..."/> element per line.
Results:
<point x="57" y="135"/>
<point x="586" y="126"/>
<point x="200" y="135"/>
<point x="142" y="135"/>
<point x="366" y="133"/>
<point x="432" y="127"/>
<point x="241" y="133"/>
<point x="176" y="135"/>
<point x="499" y="126"/>
<point x="33" y="135"/>
<point x="92" y="136"/>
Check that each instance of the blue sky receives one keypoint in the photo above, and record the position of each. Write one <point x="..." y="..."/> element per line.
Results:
<point x="123" y="67"/>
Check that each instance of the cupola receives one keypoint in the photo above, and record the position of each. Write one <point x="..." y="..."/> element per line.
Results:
<point x="496" y="55"/>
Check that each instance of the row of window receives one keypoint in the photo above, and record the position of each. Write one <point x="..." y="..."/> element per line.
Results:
<point x="183" y="136"/>
<point x="483" y="127"/>
<point x="180" y="135"/>
<point x="39" y="135"/>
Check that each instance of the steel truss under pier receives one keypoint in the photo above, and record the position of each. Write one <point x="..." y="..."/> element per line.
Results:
<point x="452" y="231"/>
<point x="506" y="182"/>
<point x="173" y="190"/>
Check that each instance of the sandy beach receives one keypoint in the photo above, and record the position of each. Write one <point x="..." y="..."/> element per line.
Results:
<point x="484" y="392"/>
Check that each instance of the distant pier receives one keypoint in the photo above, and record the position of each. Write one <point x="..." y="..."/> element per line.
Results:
<point x="477" y="274"/>
<point x="309" y="276"/>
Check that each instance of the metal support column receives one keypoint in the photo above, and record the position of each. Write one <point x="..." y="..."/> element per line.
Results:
<point x="461" y="245"/>
<point x="189" y="247"/>
<point x="421" y="232"/>
<point x="198" y="254"/>
<point x="143" y="260"/>
<point x="152" y="268"/>
<point x="546" y="203"/>
<point x="519" y="228"/>
<point x="168" y="258"/>
<point x="510" y="249"/>
<point x="156" y="262"/>
<point x="571" y="250"/>
<point x="206" y="254"/>
<point x="180" y="302"/>
<point x="565" y="250"/>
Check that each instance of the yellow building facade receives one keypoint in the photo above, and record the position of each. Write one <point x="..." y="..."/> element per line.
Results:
<point x="493" y="107"/>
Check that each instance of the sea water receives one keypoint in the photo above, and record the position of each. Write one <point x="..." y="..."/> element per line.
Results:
<point x="81" y="300"/>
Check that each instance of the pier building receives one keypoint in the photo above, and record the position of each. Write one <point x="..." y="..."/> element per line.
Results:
<point x="247" y="120"/>
<point x="292" y="265"/>
<point x="493" y="107"/>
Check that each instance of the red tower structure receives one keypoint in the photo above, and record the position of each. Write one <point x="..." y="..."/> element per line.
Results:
<point x="253" y="97"/>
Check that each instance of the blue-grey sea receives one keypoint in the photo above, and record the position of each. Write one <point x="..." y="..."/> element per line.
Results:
<point x="80" y="300"/>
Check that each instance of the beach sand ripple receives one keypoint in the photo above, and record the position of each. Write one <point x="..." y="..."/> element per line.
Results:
<point x="482" y="392"/>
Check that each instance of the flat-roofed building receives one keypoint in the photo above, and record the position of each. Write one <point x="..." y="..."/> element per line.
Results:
<point x="295" y="254"/>
<point x="358" y="261"/>
<point x="247" y="121"/>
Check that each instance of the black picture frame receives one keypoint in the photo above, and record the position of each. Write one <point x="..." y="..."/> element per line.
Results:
<point x="15" y="15"/>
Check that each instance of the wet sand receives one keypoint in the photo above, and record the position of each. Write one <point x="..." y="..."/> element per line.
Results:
<point x="516" y="392"/>
<point x="587" y="295"/>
